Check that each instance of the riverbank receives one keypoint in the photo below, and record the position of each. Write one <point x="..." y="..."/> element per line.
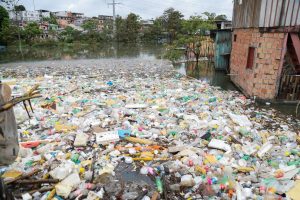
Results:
<point x="132" y="128"/>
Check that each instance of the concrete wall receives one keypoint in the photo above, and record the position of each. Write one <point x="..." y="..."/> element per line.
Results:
<point x="262" y="79"/>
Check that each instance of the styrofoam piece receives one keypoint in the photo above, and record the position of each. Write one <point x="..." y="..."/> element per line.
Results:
<point x="65" y="187"/>
<point x="219" y="144"/>
<point x="107" y="137"/>
<point x="187" y="180"/>
<point x="26" y="196"/>
<point x="241" y="120"/>
<point x="63" y="190"/>
<point x="72" y="180"/>
<point x="81" y="140"/>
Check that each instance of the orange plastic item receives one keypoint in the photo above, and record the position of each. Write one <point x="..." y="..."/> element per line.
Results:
<point x="30" y="144"/>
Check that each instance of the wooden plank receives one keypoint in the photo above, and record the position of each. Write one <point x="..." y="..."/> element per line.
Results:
<point x="279" y="74"/>
<point x="296" y="43"/>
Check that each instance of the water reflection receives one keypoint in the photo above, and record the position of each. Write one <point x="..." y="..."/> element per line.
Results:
<point x="205" y="71"/>
<point x="81" y="51"/>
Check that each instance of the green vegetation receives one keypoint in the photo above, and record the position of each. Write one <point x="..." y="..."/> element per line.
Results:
<point x="30" y="32"/>
<point x="127" y="30"/>
<point x="19" y="8"/>
<point x="50" y="20"/>
<point x="170" y="28"/>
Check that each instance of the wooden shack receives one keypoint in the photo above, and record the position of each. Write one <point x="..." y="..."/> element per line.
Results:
<point x="222" y="40"/>
<point x="265" y="56"/>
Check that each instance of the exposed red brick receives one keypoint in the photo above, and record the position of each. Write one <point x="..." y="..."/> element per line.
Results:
<point x="261" y="80"/>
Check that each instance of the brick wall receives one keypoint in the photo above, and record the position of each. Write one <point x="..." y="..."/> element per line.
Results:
<point x="261" y="80"/>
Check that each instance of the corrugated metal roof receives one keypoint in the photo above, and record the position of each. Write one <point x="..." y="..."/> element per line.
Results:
<point x="266" y="13"/>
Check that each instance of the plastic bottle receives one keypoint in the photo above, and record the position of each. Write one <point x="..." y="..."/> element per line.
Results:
<point x="159" y="184"/>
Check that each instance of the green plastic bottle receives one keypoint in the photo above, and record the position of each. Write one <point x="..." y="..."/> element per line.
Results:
<point x="159" y="184"/>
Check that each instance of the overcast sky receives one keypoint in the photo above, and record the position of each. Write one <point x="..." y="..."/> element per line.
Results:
<point x="147" y="9"/>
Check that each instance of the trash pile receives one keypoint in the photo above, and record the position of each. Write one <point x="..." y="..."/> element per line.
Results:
<point x="145" y="132"/>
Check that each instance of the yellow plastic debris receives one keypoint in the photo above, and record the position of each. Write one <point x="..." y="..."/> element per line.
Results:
<point x="64" y="128"/>
<point x="200" y="169"/>
<point x="294" y="192"/>
<point x="51" y="194"/>
<point x="139" y="140"/>
<point x="146" y="154"/>
<point x="210" y="159"/>
<point x="245" y="169"/>
<point x="143" y="159"/>
<point x="12" y="174"/>
<point x="86" y="163"/>
<point x="110" y="102"/>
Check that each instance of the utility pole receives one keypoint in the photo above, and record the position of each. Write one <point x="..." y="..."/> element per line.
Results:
<point x="33" y="5"/>
<point x="114" y="15"/>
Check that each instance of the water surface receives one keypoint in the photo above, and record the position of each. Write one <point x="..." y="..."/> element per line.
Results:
<point x="83" y="53"/>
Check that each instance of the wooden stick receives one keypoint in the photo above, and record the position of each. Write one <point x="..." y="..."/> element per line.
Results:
<point x="8" y="105"/>
<point x="23" y="176"/>
<point x="164" y="182"/>
<point x="39" y="181"/>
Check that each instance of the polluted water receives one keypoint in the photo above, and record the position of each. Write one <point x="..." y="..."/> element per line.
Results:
<point x="138" y="130"/>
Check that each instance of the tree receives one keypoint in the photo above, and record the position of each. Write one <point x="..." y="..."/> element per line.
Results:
<point x="31" y="31"/>
<point x="4" y="23"/>
<point x="133" y="26"/>
<point x="127" y="30"/>
<point x="3" y="17"/>
<point x="210" y="16"/>
<point x="19" y="8"/>
<point x="172" y="22"/>
<point x="221" y="17"/>
<point x="196" y="25"/>
<point x="90" y="25"/>
<point x="213" y="16"/>
<point x="69" y="34"/>
<point x="12" y="4"/>
<point x="120" y="29"/>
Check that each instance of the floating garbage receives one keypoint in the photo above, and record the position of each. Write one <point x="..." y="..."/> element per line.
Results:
<point x="139" y="131"/>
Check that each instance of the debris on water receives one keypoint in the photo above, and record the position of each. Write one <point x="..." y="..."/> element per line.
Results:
<point x="137" y="130"/>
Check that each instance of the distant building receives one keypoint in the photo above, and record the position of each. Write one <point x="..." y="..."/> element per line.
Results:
<point x="265" y="56"/>
<point x="146" y="24"/>
<point x="31" y="16"/>
<point x="103" y="20"/>
<point x="105" y="17"/>
<point x="25" y="16"/>
<point x="223" y="24"/>
<point x="44" y="13"/>
<point x="65" y="18"/>
<point x="80" y="21"/>
<point x="76" y="15"/>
